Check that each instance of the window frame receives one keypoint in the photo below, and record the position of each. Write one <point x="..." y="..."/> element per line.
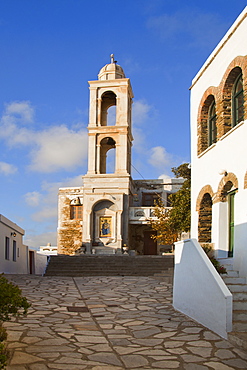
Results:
<point x="14" y="251"/>
<point x="235" y="96"/>
<point x="75" y="212"/>
<point x="7" y="248"/>
<point x="212" y="125"/>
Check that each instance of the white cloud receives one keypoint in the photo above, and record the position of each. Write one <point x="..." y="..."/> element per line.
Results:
<point x="159" y="157"/>
<point x="58" y="148"/>
<point x="200" y="29"/>
<point x="52" y="149"/>
<point x="47" y="198"/>
<point x="21" y="110"/>
<point x="140" y="112"/>
<point x="46" y="212"/>
<point x="33" y="198"/>
<point x="44" y="238"/>
<point x="164" y="176"/>
<point x="7" y="169"/>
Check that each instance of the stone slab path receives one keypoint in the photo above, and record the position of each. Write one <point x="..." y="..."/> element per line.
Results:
<point x="110" y="323"/>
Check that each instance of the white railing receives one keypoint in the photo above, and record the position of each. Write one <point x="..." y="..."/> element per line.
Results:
<point x="198" y="290"/>
<point x="141" y="214"/>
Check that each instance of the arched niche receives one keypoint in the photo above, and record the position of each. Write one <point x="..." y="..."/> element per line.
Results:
<point x="104" y="222"/>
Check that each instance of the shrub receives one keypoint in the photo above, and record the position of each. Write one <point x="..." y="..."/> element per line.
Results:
<point x="3" y="356"/>
<point x="12" y="303"/>
<point x="209" y="252"/>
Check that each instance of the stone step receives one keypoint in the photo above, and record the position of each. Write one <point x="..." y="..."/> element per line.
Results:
<point x="239" y="326"/>
<point x="232" y="274"/>
<point x="96" y="265"/>
<point x="239" y="305"/>
<point x="238" y="339"/>
<point x="102" y="273"/>
<point x="239" y="296"/>
<point x="233" y="280"/>
<point x="239" y="315"/>
<point x="237" y="288"/>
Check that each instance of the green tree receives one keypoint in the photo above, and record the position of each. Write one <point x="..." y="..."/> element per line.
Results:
<point x="169" y="224"/>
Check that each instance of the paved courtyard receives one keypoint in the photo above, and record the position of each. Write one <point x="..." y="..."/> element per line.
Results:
<point x="106" y="323"/>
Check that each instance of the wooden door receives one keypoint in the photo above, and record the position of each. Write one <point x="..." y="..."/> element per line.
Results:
<point x="31" y="263"/>
<point x="150" y="245"/>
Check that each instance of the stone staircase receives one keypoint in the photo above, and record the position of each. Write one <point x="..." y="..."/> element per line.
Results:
<point x="116" y="265"/>
<point x="238" y="287"/>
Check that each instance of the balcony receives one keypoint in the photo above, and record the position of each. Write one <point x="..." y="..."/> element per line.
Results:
<point x="141" y="215"/>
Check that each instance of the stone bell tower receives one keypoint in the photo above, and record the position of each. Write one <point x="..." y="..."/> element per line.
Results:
<point x="107" y="184"/>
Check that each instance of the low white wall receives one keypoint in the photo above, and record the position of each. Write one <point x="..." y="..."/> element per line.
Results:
<point x="40" y="263"/>
<point x="198" y="291"/>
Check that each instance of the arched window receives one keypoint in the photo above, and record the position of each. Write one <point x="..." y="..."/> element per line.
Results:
<point x="212" y="128"/>
<point x="207" y="129"/>
<point x="238" y="101"/>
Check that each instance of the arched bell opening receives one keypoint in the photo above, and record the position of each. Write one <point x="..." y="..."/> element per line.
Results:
<point x="107" y="160"/>
<point x="108" y="109"/>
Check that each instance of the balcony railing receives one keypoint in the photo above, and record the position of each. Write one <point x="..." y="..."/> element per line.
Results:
<point x="142" y="214"/>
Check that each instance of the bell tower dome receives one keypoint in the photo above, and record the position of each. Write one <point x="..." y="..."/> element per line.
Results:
<point x="111" y="71"/>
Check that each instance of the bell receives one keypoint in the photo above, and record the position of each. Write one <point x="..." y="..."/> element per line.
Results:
<point x="77" y="202"/>
<point x="110" y="141"/>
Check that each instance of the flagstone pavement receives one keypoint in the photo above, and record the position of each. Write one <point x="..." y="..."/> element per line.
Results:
<point x="110" y="323"/>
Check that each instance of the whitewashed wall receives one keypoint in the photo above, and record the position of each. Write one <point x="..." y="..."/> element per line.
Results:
<point x="228" y="154"/>
<point x="198" y="290"/>
<point x="20" y="266"/>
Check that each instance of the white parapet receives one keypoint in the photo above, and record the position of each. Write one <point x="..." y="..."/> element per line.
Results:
<point x="199" y="292"/>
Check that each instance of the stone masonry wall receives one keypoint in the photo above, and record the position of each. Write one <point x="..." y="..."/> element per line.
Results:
<point x="69" y="231"/>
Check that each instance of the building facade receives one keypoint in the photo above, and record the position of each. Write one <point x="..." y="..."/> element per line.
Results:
<point x="14" y="256"/>
<point x="109" y="211"/>
<point x="218" y="139"/>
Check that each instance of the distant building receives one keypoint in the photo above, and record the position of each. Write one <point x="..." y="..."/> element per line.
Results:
<point x="48" y="249"/>
<point x="109" y="212"/>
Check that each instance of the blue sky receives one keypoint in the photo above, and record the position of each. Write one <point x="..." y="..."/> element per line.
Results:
<point x="51" y="48"/>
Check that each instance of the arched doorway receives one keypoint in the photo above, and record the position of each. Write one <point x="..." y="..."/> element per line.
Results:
<point x="228" y="195"/>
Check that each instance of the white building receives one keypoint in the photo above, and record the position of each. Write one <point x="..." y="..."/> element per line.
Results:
<point x="14" y="255"/>
<point x="48" y="250"/>
<point x="219" y="186"/>
<point x="110" y="210"/>
<point x="219" y="151"/>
